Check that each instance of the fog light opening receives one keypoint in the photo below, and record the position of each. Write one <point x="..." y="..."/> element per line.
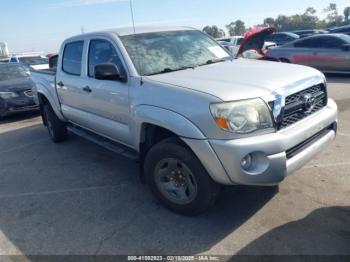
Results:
<point x="246" y="162"/>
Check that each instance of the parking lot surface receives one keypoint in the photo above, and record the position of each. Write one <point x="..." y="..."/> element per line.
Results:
<point x="78" y="198"/>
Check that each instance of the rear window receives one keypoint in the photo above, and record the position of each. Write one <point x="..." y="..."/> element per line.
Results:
<point x="72" y="57"/>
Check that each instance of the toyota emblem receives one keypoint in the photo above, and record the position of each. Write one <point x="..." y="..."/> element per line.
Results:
<point x="309" y="102"/>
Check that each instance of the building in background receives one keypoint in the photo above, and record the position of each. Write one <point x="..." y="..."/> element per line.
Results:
<point x="4" y="52"/>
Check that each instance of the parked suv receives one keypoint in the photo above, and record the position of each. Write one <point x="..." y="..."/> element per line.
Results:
<point x="193" y="116"/>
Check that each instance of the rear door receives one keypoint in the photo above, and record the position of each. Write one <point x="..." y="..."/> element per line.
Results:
<point x="330" y="56"/>
<point x="304" y="53"/>
<point x="69" y="82"/>
<point x="108" y="100"/>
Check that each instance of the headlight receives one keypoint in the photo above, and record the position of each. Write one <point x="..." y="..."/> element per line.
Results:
<point x="242" y="117"/>
<point x="8" y="95"/>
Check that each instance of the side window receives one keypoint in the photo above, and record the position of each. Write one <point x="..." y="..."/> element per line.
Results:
<point x="239" y="41"/>
<point x="344" y="30"/>
<point x="307" y="43"/>
<point x="331" y="42"/>
<point x="288" y="38"/>
<point x="72" y="57"/>
<point x="100" y="52"/>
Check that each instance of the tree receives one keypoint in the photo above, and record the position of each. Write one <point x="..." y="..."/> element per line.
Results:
<point x="281" y="22"/>
<point x="333" y="17"/>
<point x="214" y="31"/>
<point x="236" y="28"/>
<point x="270" y="21"/>
<point x="347" y="13"/>
<point x="310" y="11"/>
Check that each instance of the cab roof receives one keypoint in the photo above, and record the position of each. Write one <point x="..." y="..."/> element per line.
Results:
<point x="123" y="31"/>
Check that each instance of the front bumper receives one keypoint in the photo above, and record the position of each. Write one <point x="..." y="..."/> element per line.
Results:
<point x="275" y="156"/>
<point x="17" y="105"/>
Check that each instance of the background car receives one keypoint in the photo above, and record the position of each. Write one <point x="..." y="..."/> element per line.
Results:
<point x="329" y="53"/>
<point x="35" y="62"/>
<point x="231" y="44"/>
<point x="234" y="45"/>
<point x="15" y="90"/>
<point x="282" y="38"/>
<point x="341" y="30"/>
<point x="254" y="45"/>
<point x="233" y="40"/>
<point x="309" y="32"/>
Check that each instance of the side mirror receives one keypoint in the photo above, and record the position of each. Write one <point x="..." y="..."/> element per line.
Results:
<point x="345" y="47"/>
<point x="108" y="72"/>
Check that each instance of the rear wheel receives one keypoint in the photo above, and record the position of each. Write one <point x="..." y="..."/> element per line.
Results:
<point x="57" y="129"/>
<point x="178" y="179"/>
<point x="285" y="60"/>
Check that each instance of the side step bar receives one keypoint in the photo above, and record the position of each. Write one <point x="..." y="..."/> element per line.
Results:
<point x="105" y="142"/>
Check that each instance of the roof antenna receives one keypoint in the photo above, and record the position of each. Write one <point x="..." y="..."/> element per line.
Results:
<point x="132" y="16"/>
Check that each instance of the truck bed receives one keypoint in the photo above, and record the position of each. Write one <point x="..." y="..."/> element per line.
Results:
<point x="45" y="80"/>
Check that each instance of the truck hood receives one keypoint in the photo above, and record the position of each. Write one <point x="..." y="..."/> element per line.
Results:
<point x="239" y="78"/>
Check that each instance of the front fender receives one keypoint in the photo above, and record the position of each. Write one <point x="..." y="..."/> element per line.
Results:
<point x="164" y="118"/>
<point x="187" y="131"/>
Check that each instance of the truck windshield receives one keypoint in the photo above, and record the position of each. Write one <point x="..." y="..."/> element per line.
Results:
<point x="163" y="52"/>
<point x="12" y="71"/>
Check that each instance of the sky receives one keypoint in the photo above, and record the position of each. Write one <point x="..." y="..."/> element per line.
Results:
<point x="41" y="25"/>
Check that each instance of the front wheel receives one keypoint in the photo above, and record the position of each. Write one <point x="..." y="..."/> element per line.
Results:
<point x="178" y="179"/>
<point x="57" y="128"/>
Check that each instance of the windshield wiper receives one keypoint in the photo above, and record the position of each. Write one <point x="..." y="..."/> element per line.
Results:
<point x="168" y="70"/>
<point x="213" y="61"/>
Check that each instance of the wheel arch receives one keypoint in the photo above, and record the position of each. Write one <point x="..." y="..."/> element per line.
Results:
<point x="150" y="117"/>
<point x="45" y="97"/>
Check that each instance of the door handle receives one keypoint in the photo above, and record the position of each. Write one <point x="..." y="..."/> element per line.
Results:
<point x="87" y="89"/>
<point x="60" y="84"/>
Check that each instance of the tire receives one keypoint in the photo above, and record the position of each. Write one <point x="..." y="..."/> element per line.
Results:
<point x="285" y="60"/>
<point x="178" y="179"/>
<point x="57" y="129"/>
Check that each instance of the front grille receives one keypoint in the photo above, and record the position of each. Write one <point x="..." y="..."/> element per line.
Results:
<point x="28" y="93"/>
<point x="295" y="108"/>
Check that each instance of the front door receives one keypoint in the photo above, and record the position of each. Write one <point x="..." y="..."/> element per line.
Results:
<point x="107" y="101"/>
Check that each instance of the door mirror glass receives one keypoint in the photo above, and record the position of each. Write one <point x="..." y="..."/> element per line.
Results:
<point x="345" y="47"/>
<point x="108" y="71"/>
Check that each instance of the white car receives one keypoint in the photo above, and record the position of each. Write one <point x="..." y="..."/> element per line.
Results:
<point x="231" y="44"/>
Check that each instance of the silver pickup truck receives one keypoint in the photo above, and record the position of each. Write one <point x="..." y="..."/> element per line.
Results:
<point x="193" y="116"/>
